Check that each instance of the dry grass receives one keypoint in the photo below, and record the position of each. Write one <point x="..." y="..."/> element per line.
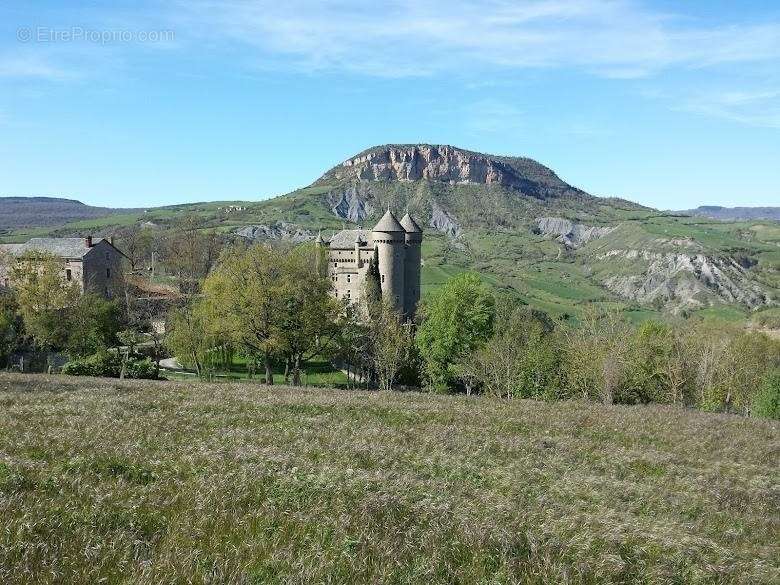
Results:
<point x="147" y="482"/>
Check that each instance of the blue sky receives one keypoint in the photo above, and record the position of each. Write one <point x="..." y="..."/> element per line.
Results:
<point x="672" y="104"/>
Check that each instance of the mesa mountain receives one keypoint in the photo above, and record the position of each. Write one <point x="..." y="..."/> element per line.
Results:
<point x="524" y="229"/>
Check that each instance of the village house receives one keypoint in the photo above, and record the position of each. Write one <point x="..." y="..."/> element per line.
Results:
<point x="393" y="247"/>
<point x="95" y="266"/>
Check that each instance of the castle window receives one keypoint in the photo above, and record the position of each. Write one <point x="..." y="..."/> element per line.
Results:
<point x="383" y="278"/>
<point x="68" y="275"/>
<point x="348" y="294"/>
<point x="349" y="278"/>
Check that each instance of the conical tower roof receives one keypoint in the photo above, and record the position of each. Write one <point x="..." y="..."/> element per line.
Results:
<point x="388" y="223"/>
<point x="410" y="225"/>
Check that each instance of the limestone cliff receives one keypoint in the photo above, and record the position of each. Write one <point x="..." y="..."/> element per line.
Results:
<point x="451" y="165"/>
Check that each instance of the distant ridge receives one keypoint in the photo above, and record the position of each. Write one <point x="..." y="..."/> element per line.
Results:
<point x="20" y="212"/>
<point x="734" y="213"/>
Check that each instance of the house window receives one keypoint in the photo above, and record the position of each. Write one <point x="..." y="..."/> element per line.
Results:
<point x="108" y="273"/>
<point x="68" y="275"/>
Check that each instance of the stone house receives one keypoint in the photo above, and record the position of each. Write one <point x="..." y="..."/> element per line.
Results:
<point x="393" y="247"/>
<point x="95" y="266"/>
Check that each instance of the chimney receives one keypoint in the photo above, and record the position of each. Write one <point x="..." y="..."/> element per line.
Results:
<point x="88" y="241"/>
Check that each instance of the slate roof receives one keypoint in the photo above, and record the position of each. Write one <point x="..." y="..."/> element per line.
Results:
<point x="388" y="223"/>
<point x="410" y="225"/>
<point x="62" y="247"/>
<point x="345" y="239"/>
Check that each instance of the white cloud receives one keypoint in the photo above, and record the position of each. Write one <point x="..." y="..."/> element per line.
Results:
<point x="618" y="38"/>
<point x="32" y="66"/>
<point x="490" y="116"/>
<point x="759" y="108"/>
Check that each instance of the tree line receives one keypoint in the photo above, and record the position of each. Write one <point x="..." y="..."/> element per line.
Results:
<point x="271" y="305"/>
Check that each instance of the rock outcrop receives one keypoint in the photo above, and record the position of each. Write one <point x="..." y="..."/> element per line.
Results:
<point x="685" y="280"/>
<point x="570" y="234"/>
<point x="280" y="230"/>
<point x="444" y="221"/>
<point x="352" y="203"/>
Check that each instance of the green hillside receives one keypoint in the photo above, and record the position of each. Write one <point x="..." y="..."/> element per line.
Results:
<point x="482" y="213"/>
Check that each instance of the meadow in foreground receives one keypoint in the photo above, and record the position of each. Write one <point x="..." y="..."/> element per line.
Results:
<point x="161" y="482"/>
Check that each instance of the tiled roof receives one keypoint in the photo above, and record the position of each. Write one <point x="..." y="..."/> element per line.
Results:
<point x="345" y="239"/>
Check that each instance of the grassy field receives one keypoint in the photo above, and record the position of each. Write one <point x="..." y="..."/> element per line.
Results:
<point x="147" y="482"/>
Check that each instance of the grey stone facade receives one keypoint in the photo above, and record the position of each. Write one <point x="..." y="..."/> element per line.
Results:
<point x="393" y="246"/>
<point x="96" y="267"/>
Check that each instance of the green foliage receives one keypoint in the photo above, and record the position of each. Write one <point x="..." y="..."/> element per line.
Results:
<point x="108" y="364"/>
<point x="521" y="360"/>
<point x="93" y="325"/>
<point x="456" y="320"/>
<point x="11" y="327"/>
<point x="390" y="344"/>
<point x="188" y="337"/>
<point x="766" y="403"/>
<point x="45" y="298"/>
<point x="271" y="302"/>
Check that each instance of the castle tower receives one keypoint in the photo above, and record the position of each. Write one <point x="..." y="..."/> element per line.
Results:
<point x="389" y="238"/>
<point x="412" y="261"/>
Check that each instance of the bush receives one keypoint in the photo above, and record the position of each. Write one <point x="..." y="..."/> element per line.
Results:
<point x="141" y="369"/>
<point x="767" y="402"/>
<point x="102" y="364"/>
<point x="109" y="365"/>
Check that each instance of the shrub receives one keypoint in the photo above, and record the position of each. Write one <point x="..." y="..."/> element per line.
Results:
<point x="141" y="369"/>
<point x="767" y="402"/>
<point x="102" y="364"/>
<point x="107" y="364"/>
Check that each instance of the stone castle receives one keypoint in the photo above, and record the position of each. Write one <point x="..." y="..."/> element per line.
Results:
<point x="392" y="247"/>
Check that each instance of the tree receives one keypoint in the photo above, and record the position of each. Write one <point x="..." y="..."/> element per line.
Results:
<point x="45" y="298"/>
<point x="766" y="403"/>
<point x="353" y="343"/>
<point x="190" y="253"/>
<point x="93" y="325"/>
<point x="596" y="354"/>
<point x="307" y="321"/>
<point x="272" y="302"/>
<point x="520" y="360"/>
<point x="137" y="243"/>
<point x="187" y="337"/>
<point x="391" y="342"/>
<point x="10" y="326"/>
<point x="457" y="319"/>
